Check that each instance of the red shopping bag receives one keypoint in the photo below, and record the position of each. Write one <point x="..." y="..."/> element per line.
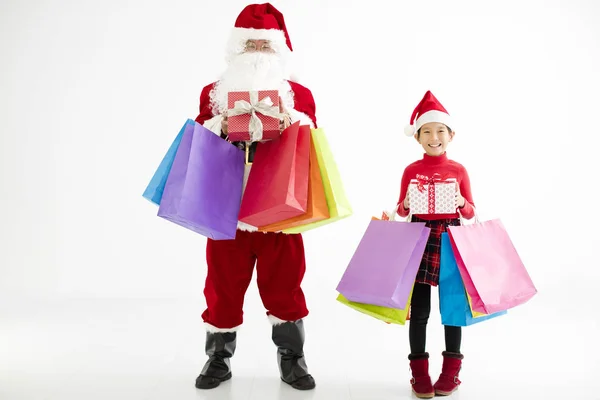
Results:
<point x="277" y="186"/>
<point x="316" y="209"/>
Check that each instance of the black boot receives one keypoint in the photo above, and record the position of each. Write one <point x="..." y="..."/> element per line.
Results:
<point x="219" y="348"/>
<point x="289" y="339"/>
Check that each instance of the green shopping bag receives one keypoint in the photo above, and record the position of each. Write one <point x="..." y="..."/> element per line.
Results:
<point x="337" y="202"/>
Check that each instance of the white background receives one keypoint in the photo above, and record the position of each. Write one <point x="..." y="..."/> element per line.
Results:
<point x="100" y="298"/>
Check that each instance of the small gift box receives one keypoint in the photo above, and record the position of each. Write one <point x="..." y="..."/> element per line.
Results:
<point x="253" y="116"/>
<point x="432" y="195"/>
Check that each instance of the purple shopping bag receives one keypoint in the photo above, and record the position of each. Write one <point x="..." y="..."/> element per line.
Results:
<point x="490" y="267"/>
<point x="204" y="188"/>
<point x="383" y="269"/>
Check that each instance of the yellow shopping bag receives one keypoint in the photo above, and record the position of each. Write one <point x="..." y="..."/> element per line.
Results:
<point x="385" y="314"/>
<point x="337" y="202"/>
<point x="474" y="313"/>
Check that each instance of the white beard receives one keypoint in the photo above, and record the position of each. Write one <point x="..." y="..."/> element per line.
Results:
<point x="252" y="71"/>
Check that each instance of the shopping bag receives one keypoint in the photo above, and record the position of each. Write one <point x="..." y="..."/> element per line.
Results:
<point x="277" y="187"/>
<point x="475" y="314"/>
<point x="386" y="314"/>
<point x="204" y="188"/>
<point x="337" y="202"/>
<point x="316" y="209"/>
<point x="383" y="268"/>
<point x="454" y="305"/>
<point x="154" y="190"/>
<point x="490" y="267"/>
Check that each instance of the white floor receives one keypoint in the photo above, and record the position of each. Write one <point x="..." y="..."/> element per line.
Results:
<point x="153" y="349"/>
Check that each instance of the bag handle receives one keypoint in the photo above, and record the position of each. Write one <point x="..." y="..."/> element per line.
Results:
<point x="394" y="213"/>
<point x="463" y="221"/>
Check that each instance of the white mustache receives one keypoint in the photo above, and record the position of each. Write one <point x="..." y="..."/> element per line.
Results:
<point x="250" y="71"/>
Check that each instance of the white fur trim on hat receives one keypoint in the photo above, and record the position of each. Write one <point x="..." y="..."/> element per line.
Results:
<point x="213" y="329"/>
<point x="433" y="116"/>
<point x="239" y="37"/>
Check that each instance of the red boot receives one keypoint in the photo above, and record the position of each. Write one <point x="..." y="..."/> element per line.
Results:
<point x="421" y="381"/>
<point x="448" y="381"/>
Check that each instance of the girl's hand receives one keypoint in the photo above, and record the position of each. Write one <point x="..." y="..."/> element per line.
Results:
<point x="406" y="203"/>
<point x="460" y="201"/>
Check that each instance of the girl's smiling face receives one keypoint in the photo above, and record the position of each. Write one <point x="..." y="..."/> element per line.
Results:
<point x="434" y="137"/>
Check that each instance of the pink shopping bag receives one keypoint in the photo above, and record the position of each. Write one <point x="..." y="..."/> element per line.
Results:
<point x="491" y="269"/>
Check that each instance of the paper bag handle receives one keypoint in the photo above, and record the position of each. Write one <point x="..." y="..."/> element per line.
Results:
<point x="463" y="221"/>
<point x="392" y="215"/>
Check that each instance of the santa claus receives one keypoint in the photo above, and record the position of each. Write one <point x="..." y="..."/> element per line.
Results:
<point x="257" y="55"/>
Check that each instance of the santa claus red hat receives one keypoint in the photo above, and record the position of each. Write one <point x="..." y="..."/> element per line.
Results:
<point x="428" y="110"/>
<point x="260" y="22"/>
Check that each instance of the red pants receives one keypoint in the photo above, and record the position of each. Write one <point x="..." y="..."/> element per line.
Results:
<point x="280" y="267"/>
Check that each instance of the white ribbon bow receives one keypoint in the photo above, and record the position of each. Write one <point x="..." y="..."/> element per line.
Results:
<point x="265" y="107"/>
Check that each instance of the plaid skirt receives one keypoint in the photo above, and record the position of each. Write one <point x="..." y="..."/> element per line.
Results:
<point x="429" y="270"/>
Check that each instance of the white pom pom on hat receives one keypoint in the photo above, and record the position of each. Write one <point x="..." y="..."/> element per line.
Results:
<point x="428" y="110"/>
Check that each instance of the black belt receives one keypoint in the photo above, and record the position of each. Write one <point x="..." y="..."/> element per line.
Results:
<point x="249" y="149"/>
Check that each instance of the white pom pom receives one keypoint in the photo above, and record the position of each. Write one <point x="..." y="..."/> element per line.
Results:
<point x="409" y="130"/>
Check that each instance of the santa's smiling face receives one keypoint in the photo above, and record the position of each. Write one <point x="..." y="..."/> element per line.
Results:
<point x="434" y="137"/>
<point x="257" y="67"/>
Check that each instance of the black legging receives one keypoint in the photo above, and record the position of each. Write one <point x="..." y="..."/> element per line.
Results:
<point x="419" y="314"/>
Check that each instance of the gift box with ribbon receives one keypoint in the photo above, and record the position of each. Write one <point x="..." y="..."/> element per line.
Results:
<point x="432" y="195"/>
<point x="253" y="116"/>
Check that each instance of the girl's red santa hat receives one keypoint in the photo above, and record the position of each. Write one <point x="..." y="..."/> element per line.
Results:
<point x="260" y="22"/>
<point x="428" y="110"/>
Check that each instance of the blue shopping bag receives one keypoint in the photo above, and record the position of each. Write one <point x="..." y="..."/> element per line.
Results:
<point x="454" y="305"/>
<point x="154" y="190"/>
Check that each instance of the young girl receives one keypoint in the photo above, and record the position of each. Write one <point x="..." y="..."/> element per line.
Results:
<point x="432" y="128"/>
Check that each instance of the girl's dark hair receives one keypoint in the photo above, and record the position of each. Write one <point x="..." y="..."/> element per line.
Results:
<point x="419" y="131"/>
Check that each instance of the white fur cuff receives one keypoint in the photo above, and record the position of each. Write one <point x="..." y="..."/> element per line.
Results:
<point x="300" y="116"/>
<point x="275" y="321"/>
<point x="242" y="226"/>
<point x="214" y="124"/>
<point x="213" y="329"/>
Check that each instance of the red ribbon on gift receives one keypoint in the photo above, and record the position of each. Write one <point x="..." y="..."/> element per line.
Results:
<point x="423" y="180"/>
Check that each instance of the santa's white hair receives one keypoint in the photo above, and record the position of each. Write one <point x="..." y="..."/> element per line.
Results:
<point x="252" y="71"/>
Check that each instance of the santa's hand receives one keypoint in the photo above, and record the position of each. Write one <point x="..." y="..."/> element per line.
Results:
<point x="284" y="123"/>
<point x="282" y="108"/>
<point x="224" y="123"/>
<point x="406" y="203"/>
<point x="285" y="120"/>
